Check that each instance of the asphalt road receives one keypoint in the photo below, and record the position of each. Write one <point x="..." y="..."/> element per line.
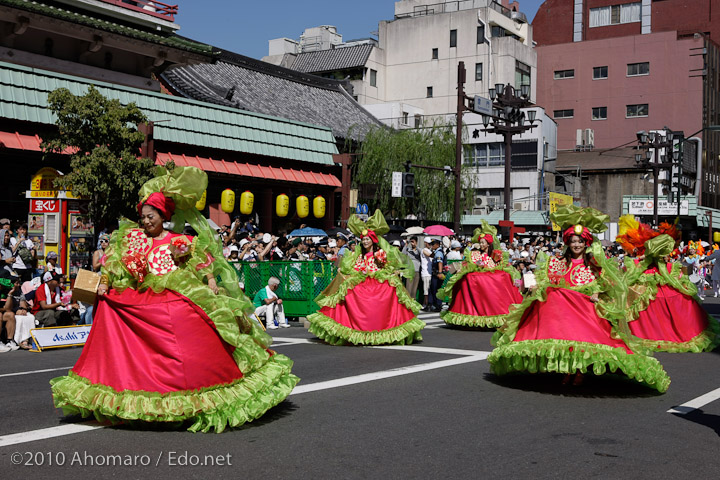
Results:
<point x="431" y="410"/>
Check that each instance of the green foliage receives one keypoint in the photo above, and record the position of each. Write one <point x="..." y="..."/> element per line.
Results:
<point x="106" y="142"/>
<point x="385" y="151"/>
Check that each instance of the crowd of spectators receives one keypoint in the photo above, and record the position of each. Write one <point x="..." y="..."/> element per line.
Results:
<point x="33" y="290"/>
<point x="433" y="258"/>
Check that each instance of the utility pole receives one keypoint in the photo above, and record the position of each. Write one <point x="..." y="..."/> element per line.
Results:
<point x="461" y="107"/>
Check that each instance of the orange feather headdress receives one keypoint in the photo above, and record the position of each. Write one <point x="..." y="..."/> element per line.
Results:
<point x="632" y="234"/>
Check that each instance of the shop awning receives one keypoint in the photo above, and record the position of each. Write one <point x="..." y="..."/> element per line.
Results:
<point x="528" y="218"/>
<point x="20" y="142"/>
<point x="250" y="170"/>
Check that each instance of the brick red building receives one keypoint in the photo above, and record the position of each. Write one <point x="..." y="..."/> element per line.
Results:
<point x="619" y="66"/>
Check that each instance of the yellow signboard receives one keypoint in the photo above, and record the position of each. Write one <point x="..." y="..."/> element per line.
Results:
<point x="558" y="200"/>
<point x="44" y="179"/>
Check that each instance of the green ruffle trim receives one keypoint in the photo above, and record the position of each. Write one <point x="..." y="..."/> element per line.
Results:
<point x="356" y="278"/>
<point x="706" y="341"/>
<point x="542" y="356"/>
<point x="471" y="267"/>
<point x="452" y="318"/>
<point x="214" y="407"/>
<point x="328" y="330"/>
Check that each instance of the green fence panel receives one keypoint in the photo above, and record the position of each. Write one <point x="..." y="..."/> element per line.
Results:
<point x="300" y="282"/>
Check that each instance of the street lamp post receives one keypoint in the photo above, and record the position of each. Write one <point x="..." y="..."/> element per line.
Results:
<point x="507" y="120"/>
<point x="652" y="143"/>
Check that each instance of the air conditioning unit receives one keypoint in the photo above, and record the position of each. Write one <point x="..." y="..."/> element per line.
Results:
<point x="579" y="138"/>
<point x="480" y="201"/>
<point x="479" y="211"/>
<point x="517" y="206"/>
<point x="589" y="138"/>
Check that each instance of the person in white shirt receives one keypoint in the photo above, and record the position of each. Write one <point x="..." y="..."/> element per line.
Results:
<point x="455" y="251"/>
<point x="426" y="271"/>
<point x="21" y="244"/>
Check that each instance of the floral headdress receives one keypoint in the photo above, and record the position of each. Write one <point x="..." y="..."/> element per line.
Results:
<point x="580" y="221"/>
<point x="375" y="225"/>
<point x="486" y="231"/>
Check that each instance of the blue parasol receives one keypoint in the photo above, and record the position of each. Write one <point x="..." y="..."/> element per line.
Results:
<point x="307" y="232"/>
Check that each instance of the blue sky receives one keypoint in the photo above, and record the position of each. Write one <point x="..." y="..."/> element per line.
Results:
<point x="245" y="26"/>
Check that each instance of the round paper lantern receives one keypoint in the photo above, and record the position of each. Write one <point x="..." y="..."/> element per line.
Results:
<point x="319" y="207"/>
<point x="200" y="204"/>
<point x="716" y="237"/>
<point x="302" y="206"/>
<point x="282" y="205"/>
<point x="247" y="199"/>
<point x="227" y="201"/>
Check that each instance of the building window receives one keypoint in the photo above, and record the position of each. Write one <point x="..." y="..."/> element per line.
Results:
<point x="405" y="118"/>
<point x="496" y="31"/>
<point x="568" y="113"/>
<point x="559" y="74"/>
<point x="600" y="72"/>
<point x="615" y="14"/>
<point x="478" y="72"/>
<point x="429" y="92"/>
<point x="635" y="69"/>
<point x="453" y="38"/>
<point x="418" y="121"/>
<point x="481" y="34"/>
<point x="434" y="53"/>
<point x="599" y="113"/>
<point x="485" y="155"/>
<point x="640" y="110"/>
<point x="488" y="155"/>
<point x="522" y="75"/>
<point x="373" y="78"/>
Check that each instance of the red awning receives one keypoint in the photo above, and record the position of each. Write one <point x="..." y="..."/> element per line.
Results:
<point x="250" y="170"/>
<point x="20" y="142"/>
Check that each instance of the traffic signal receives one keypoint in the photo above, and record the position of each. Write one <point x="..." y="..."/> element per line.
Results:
<point x="408" y="185"/>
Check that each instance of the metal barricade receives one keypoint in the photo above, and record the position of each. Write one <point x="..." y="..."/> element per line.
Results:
<point x="300" y="282"/>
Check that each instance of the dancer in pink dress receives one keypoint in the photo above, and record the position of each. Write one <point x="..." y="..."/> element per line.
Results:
<point x="559" y="327"/>
<point x="483" y="290"/>
<point x="367" y="304"/>
<point x="171" y="338"/>
<point x="663" y="309"/>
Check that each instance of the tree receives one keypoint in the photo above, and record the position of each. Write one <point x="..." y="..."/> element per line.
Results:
<point x="104" y="137"/>
<point x="384" y="151"/>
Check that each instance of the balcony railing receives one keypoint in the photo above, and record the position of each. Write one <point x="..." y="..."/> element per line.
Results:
<point x="453" y="6"/>
<point x="149" y="7"/>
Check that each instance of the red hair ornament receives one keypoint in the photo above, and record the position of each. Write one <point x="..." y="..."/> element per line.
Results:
<point x="371" y="234"/>
<point x="580" y="231"/>
<point x="164" y="205"/>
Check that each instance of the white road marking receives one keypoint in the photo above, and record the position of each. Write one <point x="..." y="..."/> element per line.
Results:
<point x="696" y="403"/>
<point x="422" y="348"/>
<point x="395" y="372"/>
<point x="44" y="433"/>
<point x="35" y="371"/>
<point x="468" y="357"/>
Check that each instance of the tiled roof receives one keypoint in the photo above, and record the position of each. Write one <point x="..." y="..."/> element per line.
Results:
<point x="250" y="84"/>
<point x="24" y="93"/>
<point x="174" y="41"/>
<point x="335" y="59"/>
